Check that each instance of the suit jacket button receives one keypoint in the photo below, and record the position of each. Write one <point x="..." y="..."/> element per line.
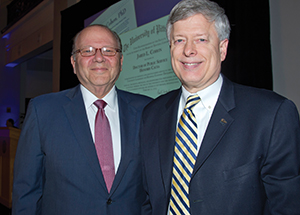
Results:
<point x="109" y="201"/>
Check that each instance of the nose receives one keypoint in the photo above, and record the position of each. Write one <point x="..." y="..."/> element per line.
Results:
<point x="190" y="49"/>
<point x="98" y="57"/>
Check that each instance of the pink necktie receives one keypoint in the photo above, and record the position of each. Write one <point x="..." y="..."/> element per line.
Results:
<point x="103" y="144"/>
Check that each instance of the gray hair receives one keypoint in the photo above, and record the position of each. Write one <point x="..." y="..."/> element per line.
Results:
<point x="115" y="35"/>
<point x="209" y="9"/>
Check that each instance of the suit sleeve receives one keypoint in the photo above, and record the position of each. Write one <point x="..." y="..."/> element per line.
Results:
<point x="280" y="172"/>
<point x="28" y="167"/>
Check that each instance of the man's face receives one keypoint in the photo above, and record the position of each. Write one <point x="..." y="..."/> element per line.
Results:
<point x="196" y="52"/>
<point x="97" y="73"/>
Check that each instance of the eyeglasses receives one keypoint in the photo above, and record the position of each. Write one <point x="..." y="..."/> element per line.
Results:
<point x="91" y="51"/>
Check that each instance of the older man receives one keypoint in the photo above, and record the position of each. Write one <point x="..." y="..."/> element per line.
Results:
<point x="78" y="151"/>
<point x="214" y="147"/>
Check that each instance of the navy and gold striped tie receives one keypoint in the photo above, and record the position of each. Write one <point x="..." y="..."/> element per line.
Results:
<point x="185" y="153"/>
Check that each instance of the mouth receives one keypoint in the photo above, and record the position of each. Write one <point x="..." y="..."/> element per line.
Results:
<point x="99" y="69"/>
<point x="190" y="64"/>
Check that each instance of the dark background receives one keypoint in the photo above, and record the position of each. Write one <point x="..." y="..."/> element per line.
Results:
<point x="4" y="210"/>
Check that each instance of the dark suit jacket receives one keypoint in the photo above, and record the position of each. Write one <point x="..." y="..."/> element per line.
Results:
<point x="249" y="160"/>
<point x="57" y="171"/>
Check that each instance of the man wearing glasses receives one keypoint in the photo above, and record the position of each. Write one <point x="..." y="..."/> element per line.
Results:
<point x="78" y="152"/>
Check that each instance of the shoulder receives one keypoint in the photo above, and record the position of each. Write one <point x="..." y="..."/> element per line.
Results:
<point x="260" y="101"/>
<point x="257" y="95"/>
<point x="167" y="99"/>
<point x="247" y="94"/>
<point x="52" y="99"/>
<point x="133" y="98"/>
<point x="167" y="103"/>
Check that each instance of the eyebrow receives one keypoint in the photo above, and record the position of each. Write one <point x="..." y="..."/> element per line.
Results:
<point x="204" y="34"/>
<point x="197" y="35"/>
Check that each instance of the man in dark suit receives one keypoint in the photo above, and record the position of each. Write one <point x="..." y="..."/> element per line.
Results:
<point x="246" y="155"/>
<point x="57" y="170"/>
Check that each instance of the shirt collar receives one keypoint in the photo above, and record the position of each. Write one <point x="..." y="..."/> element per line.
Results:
<point x="89" y="98"/>
<point x="209" y="95"/>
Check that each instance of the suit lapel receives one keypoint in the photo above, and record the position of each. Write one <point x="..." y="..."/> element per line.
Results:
<point x="129" y="128"/>
<point x="76" y="114"/>
<point x="168" y="122"/>
<point x="219" y="123"/>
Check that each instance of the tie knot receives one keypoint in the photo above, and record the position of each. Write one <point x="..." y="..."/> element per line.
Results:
<point x="192" y="101"/>
<point x="100" y="104"/>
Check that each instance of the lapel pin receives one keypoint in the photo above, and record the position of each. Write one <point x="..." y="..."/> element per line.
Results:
<point x="223" y="122"/>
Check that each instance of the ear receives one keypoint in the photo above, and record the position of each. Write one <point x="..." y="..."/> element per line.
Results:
<point x="73" y="62"/>
<point x="223" y="49"/>
<point x="121" y="63"/>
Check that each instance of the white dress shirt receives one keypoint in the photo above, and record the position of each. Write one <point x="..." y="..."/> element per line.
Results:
<point x="112" y="113"/>
<point x="203" y="110"/>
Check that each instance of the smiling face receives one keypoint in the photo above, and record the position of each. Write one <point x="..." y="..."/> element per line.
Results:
<point x="97" y="73"/>
<point x="196" y="52"/>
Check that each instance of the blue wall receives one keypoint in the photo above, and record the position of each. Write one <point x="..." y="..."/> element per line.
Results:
<point x="9" y="94"/>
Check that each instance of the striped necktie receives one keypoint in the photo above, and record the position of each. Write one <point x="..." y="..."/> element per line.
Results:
<point x="185" y="153"/>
